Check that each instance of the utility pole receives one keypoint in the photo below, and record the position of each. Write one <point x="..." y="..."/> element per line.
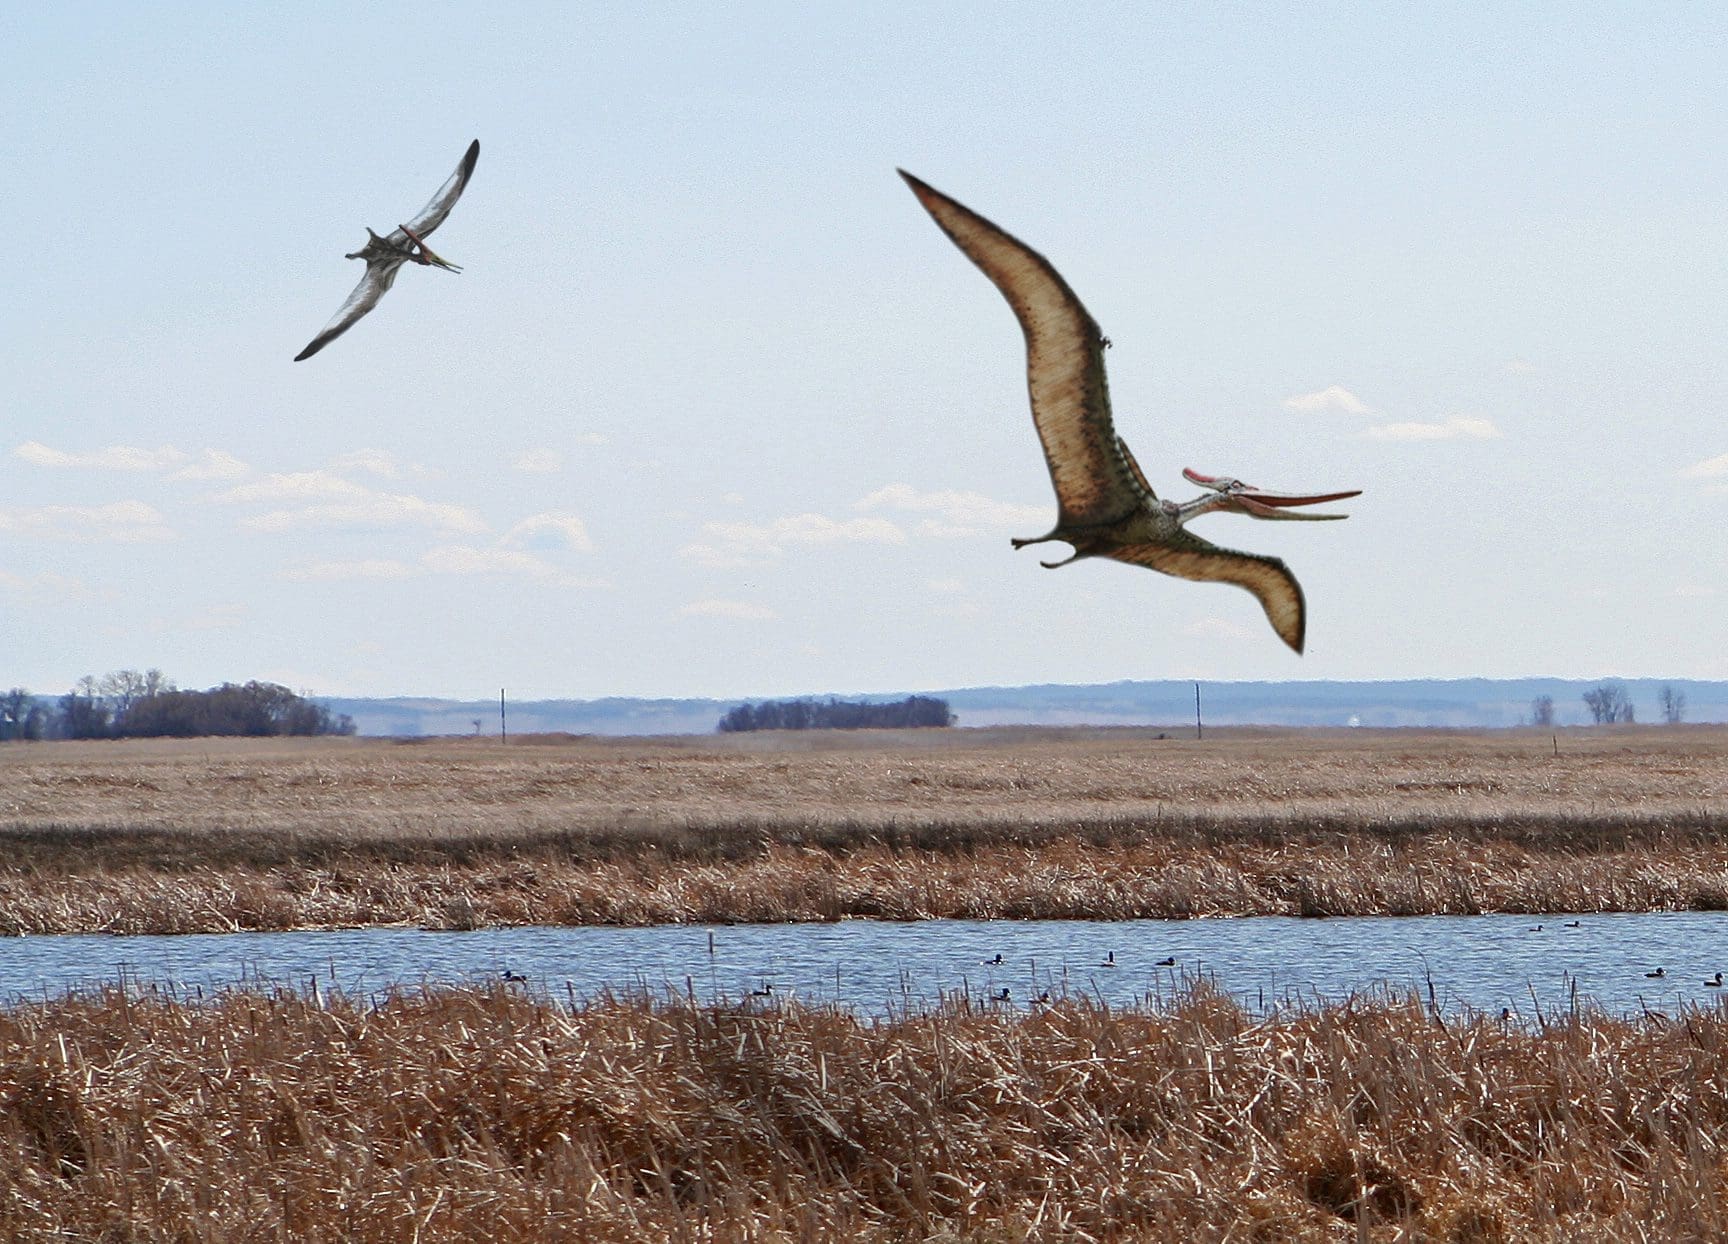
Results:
<point x="1199" y="729"/>
<point x="503" y="725"/>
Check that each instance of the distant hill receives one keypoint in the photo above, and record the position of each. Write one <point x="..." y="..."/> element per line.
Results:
<point x="1416" y="702"/>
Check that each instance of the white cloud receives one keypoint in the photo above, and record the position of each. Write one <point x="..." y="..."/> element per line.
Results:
<point x="118" y="522"/>
<point x="295" y="486"/>
<point x="1710" y="468"/>
<point x="372" y="511"/>
<point x="553" y="529"/>
<point x="736" y="610"/>
<point x="960" y="514"/>
<point x="538" y="461"/>
<point x="208" y="464"/>
<point x="379" y="462"/>
<point x="743" y="544"/>
<point x="212" y="464"/>
<point x="1333" y="397"/>
<point x="462" y="559"/>
<point x="377" y="568"/>
<point x="48" y="588"/>
<point x="1458" y="427"/>
<point x="113" y="458"/>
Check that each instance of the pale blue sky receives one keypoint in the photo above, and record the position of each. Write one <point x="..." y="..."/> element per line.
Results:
<point x="715" y="409"/>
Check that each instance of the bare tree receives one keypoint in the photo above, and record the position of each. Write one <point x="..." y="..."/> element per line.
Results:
<point x="1673" y="704"/>
<point x="1609" y="704"/>
<point x="1542" y="711"/>
<point x="15" y="708"/>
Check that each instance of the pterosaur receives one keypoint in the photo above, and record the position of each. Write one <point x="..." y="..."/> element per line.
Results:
<point x="1105" y="507"/>
<point x="385" y="255"/>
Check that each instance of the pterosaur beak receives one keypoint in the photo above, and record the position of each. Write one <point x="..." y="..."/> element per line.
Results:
<point x="1274" y="504"/>
<point x="1263" y="504"/>
<point x="426" y="253"/>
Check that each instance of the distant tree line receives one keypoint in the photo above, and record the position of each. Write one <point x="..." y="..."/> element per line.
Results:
<point x="1610" y="704"/>
<point x="914" y="710"/>
<point x="128" y="705"/>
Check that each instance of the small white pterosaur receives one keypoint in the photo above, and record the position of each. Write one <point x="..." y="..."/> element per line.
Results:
<point x="1105" y="506"/>
<point x="385" y="255"/>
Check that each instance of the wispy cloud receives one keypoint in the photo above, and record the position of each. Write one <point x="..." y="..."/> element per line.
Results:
<point x="212" y="464"/>
<point x="461" y="559"/>
<point x="445" y="559"/>
<point x="382" y="463"/>
<point x="736" y="610"/>
<point x="1458" y="427"/>
<point x="49" y="588"/>
<point x="113" y="458"/>
<point x="956" y="514"/>
<point x="731" y="545"/>
<point x="553" y="529"/>
<point x="372" y="512"/>
<point x="118" y="522"/>
<point x="538" y="461"/>
<point x="295" y="486"/>
<point x="332" y="571"/>
<point x="1333" y="398"/>
<point x="1710" y="468"/>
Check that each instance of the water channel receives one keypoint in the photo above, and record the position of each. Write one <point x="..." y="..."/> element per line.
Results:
<point x="1487" y="963"/>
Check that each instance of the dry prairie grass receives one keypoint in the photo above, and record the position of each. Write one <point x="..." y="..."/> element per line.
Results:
<point x="495" y="1115"/>
<point x="210" y="835"/>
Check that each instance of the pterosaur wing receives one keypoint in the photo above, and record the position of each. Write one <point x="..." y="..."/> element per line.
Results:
<point x="1188" y="556"/>
<point x="380" y="276"/>
<point x="1064" y="365"/>
<point x="432" y="215"/>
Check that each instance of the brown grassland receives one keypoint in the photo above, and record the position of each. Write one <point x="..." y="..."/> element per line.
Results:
<point x="211" y="835"/>
<point x="496" y="1114"/>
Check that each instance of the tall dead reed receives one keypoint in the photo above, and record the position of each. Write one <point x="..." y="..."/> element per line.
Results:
<point x="496" y="1114"/>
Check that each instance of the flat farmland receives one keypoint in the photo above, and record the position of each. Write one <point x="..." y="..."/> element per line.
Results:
<point x="208" y="835"/>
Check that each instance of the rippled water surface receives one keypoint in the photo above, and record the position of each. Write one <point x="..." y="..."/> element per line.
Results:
<point x="1485" y="962"/>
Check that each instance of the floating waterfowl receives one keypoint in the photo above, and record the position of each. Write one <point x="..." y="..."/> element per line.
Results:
<point x="996" y="962"/>
<point x="1167" y="963"/>
<point x="1105" y="506"/>
<point x="1572" y="924"/>
<point x="385" y="255"/>
<point x="1109" y="960"/>
<point x="767" y="990"/>
<point x="1715" y="982"/>
<point x="1657" y="975"/>
<point x="1004" y="995"/>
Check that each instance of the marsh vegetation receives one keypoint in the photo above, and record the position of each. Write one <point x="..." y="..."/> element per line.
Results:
<point x="493" y="1113"/>
<point x="210" y="835"/>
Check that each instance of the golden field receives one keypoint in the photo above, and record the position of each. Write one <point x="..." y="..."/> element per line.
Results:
<point x="207" y="835"/>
